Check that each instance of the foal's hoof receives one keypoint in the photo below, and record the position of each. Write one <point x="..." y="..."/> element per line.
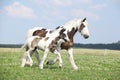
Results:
<point x="22" y="66"/>
<point x="40" y="67"/>
<point x="50" y="62"/>
<point x="75" y="68"/>
<point x="60" y="67"/>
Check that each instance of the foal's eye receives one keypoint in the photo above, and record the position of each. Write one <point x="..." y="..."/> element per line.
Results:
<point x="64" y="35"/>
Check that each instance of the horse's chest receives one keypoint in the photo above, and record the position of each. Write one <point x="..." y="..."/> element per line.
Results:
<point x="66" y="45"/>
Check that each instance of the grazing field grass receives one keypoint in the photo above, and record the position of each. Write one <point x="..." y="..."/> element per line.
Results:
<point x="93" y="65"/>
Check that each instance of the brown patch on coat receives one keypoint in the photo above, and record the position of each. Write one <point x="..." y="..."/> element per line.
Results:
<point x="35" y="42"/>
<point x="41" y="33"/>
<point x="53" y="44"/>
<point x="52" y="47"/>
<point x="46" y="38"/>
<point x="68" y="44"/>
<point x="51" y="31"/>
<point x="81" y="27"/>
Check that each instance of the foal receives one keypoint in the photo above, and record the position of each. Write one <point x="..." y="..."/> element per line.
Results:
<point x="51" y="42"/>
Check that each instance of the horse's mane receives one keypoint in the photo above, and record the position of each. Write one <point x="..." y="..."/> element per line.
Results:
<point x="73" y="23"/>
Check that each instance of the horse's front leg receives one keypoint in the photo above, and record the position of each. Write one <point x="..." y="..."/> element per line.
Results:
<point x="70" y="52"/>
<point x="43" y="58"/>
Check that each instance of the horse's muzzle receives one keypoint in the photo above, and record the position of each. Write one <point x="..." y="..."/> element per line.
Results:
<point x="86" y="36"/>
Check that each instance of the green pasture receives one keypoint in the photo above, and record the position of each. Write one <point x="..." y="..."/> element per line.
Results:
<point x="93" y="65"/>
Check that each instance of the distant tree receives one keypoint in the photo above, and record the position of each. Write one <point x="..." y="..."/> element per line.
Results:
<point x="118" y="42"/>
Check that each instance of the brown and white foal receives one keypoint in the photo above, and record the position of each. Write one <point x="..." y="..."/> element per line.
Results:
<point x="50" y="42"/>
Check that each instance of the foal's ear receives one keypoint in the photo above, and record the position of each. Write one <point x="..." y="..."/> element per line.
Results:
<point x="83" y="19"/>
<point x="62" y="31"/>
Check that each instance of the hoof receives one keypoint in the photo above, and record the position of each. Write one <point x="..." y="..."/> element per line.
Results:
<point x="60" y="67"/>
<point x="31" y="65"/>
<point x="41" y="67"/>
<point x="50" y="62"/>
<point x="21" y="66"/>
<point x="75" y="68"/>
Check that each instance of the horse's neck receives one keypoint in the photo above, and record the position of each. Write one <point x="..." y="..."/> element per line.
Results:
<point x="72" y="33"/>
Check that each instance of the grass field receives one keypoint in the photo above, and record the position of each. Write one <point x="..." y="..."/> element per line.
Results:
<point x="93" y="65"/>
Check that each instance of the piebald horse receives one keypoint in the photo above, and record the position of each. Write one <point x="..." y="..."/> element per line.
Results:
<point x="71" y="28"/>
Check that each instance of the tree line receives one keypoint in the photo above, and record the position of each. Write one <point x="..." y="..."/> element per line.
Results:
<point x="112" y="46"/>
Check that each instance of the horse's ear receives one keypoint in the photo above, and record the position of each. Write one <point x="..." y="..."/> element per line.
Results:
<point x="83" y="19"/>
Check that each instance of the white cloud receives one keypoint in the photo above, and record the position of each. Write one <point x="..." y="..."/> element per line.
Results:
<point x="83" y="13"/>
<point x="38" y="2"/>
<point x="0" y="11"/>
<point x="99" y="6"/>
<point x="62" y="2"/>
<point x="19" y="10"/>
<point x="84" y="1"/>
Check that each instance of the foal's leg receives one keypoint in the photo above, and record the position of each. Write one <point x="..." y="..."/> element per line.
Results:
<point x="37" y="56"/>
<point x="29" y="57"/>
<point x="43" y="58"/>
<point x="70" y="52"/>
<point x="24" y="59"/>
<point x="58" y="57"/>
<point x="51" y="62"/>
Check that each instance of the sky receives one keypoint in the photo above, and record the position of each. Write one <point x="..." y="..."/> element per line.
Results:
<point x="18" y="16"/>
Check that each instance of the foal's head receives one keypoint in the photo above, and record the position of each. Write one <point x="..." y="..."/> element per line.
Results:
<point x="63" y="35"/>
<point x="83" y="29"/>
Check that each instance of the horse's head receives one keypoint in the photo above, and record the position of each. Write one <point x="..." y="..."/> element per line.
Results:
<point x="83" y="29"/>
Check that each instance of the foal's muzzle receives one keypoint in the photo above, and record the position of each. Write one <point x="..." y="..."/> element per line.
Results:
<point x="65" y="40"/>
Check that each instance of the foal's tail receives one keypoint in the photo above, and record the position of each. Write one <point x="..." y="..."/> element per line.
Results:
<point x="25" y="46"/>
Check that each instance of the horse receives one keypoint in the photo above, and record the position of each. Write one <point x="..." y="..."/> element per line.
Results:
<point x="51" y="42"/>
<point x="71" y="28"/>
